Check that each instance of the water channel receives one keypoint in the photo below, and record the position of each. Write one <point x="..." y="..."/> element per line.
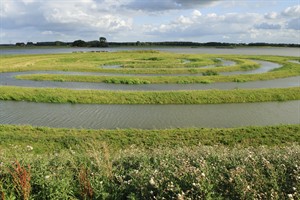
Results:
<point x="148" y="116"/>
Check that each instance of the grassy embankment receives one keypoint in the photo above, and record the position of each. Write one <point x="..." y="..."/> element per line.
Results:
<point x="57" y="95"/>
<point x="148" y="164"/>
<point x="146" y="62"/>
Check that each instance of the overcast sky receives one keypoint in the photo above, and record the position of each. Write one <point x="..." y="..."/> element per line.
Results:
<point x="150" y="20"/>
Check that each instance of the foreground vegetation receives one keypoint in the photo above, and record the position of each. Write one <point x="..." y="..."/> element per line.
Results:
<point x="58" y="95"/>
<point x="45" y="163"/>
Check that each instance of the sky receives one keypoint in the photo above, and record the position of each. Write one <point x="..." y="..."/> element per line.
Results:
<point x="236" y="21"/>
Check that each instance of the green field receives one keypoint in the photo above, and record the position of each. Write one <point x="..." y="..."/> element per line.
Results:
<point x="185" y="163"/>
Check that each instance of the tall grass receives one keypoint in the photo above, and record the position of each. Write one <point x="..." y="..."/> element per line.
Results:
<point x="146" y="97"/>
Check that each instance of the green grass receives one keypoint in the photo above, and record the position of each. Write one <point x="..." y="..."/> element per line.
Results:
<point x="44" y="139"/>
<point x="132" y="62"/>
<point x="58" y="95"/>
<point x="228" y="163"/>
<point x="145" y="62"/>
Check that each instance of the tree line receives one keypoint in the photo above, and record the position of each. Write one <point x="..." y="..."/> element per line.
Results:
<point x="102" y="42"/>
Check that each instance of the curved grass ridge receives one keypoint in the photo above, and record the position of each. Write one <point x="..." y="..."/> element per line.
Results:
<point x="58" y="95"/>
<point x="160" y="79"/>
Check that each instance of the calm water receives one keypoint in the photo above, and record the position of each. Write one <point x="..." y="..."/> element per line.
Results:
<point x="281" y="51"/>
<point x="148" y="116"/>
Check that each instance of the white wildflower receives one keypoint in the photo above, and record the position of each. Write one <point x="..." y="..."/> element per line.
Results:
<point x="152" y="182"/>
<point x="180" y="197"/>
<point x="47" y="177"/>
<point x="29" y="148"/>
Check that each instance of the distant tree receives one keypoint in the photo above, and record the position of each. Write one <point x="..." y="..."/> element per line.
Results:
<point x="138" y="43"/>
<point x="59" y="43"/>
<point x="29" y="44"/>
<point x="103" y="42"/>
<point x="79" y="43"/>
<point x="20" y="44"/>
<point x="94" y="43"/>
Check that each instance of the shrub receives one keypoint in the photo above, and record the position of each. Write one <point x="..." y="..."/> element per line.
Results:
<point x="210" y="73"/>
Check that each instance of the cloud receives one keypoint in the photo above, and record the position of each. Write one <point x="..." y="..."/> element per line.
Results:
<point x="267" y="26"/>
<point x="162" y="5"/>
<point x="293" y="11"/>
<point x="145" y="20"/>
<point x="294" y="24"/>
<point x="209" y="24"/>
<point x="271" y="15"/>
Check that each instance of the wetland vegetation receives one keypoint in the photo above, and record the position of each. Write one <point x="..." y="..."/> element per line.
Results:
<point x="196" y="163"/>
<point x="148" y="164"/>
<point x="57" y="95"/>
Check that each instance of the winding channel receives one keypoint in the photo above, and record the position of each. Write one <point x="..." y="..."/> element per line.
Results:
<point x="149" y="116"/>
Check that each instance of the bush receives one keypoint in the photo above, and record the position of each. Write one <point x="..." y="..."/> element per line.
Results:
<point x="202" y="172"/>
<point x="210" y="73"/>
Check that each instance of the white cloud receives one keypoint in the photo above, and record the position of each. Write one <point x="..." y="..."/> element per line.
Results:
<point x="271" y="15"/>
<point x="155" y="20"/>
<point x="196" y="13"/>
<point x="293" y="11"/>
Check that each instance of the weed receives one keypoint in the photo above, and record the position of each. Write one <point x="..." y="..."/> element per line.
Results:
<point x="21" y="179"/>
<point x="86" y="189"/>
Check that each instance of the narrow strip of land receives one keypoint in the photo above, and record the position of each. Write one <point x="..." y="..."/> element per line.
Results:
<point x="48" y="139"/>
<point x="58" y="95"/>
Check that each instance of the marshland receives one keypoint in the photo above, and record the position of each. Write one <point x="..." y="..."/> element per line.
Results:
<point x="146" y="124"/>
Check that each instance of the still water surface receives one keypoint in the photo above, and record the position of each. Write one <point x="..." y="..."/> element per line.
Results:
<point x="149" y="116"/>
<point x="280" y="51"/>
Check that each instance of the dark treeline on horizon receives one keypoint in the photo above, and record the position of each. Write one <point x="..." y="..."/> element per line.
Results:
<point x="97" y="43"/>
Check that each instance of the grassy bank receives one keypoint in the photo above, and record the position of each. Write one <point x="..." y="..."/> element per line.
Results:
<point x="45" y="140"/>
<point x="148" y="164"/>
<point x="58" y="95"/>
<point x="160" y="79"/>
